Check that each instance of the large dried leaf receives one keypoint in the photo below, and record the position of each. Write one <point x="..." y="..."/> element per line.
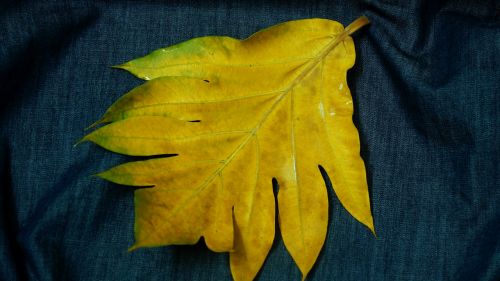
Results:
<point x="275" y="105"/>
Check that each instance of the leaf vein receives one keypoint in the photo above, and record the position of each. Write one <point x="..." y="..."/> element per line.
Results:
<point x="294" y="161"/>
<point x="178" y="138"/>
<point x="227" y="65"/>
<point x="200" y="102"/>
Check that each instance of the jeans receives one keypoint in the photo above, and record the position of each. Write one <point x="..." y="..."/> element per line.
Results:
<point x="426" y="89"/>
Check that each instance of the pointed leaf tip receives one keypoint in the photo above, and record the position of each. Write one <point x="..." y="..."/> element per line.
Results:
<point x="100" y="121"/>
<point x="84" y="139"/>
<point x="133" y="248"/>
<point x="120" y="66"/>
<point x="372" y="230"/>
<point x="132" y="70"/>
<point x="99" y="175"/>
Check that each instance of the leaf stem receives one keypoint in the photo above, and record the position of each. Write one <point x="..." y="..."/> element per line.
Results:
<point x="357" y="24"/>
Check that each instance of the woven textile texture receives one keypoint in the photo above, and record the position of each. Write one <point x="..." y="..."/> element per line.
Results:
<point x="426" y="88"/>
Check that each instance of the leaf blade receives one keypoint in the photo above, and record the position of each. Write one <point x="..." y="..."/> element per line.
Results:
<point x="263" y="113"/>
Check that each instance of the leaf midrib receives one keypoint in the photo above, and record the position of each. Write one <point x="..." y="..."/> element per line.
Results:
<point x="272" y="93"/>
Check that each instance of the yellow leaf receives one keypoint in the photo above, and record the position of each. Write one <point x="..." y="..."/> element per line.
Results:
<point x="275" y="105"/>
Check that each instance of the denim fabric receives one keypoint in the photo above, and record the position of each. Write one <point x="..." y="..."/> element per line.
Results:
<point x="426" y="87"/>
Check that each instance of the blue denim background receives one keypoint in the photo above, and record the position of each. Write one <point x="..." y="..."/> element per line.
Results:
<point x="426" y="87"/>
